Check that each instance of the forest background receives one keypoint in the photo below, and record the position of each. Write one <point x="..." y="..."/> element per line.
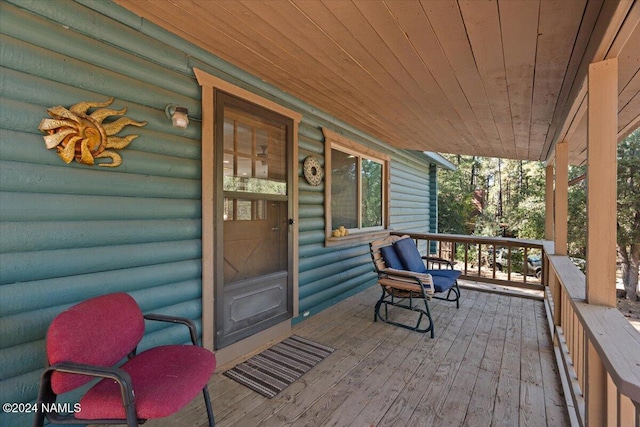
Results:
<point x="502" y="197"/>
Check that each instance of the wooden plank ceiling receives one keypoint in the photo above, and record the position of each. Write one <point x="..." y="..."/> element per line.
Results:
<point x="496" y="78"/>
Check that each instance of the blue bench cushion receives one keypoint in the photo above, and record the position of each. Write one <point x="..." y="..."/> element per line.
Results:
<point x="390" y="257"/>
<point x="442" y="283"/>
<point x="409" y="256"/>
<point x="452" y="274"/>
<point x="404" y="255"/>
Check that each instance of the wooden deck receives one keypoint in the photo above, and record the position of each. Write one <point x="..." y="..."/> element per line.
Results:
<point x="491" y="363"/>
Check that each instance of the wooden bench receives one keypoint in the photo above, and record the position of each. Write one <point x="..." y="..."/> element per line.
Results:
<point x="403" y="289"/>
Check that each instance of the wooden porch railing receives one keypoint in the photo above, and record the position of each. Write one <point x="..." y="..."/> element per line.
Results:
<point x="596" y="348"/>
<point x="496" y="260"/>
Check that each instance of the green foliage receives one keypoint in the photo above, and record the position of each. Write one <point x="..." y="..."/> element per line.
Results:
<point x="455" y="197"/>
<point x="454" y="213"/>
<point x="492" y="197"/>
<point x="529" y="217"/>
<point x="629" y="190"/>
<point x="371" y="193"/>
<point x="629" y="212"/>
<point x="497" y="197"/>
<point x="517" y="261"/>
<point x="628" y="209"/>
<point x="577" y="214"/>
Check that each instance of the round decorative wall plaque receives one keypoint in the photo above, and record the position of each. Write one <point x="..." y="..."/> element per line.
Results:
<point x="313" y="172"/>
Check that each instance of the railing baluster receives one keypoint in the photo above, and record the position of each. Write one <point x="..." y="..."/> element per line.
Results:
<point x="466" y="257"/>
<point x="525" y="264"/>
<point x="509" y="263"/>
<point x="628" y="412"/>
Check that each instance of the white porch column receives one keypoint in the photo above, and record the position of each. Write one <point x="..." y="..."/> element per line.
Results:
<point x="602" y="141"/>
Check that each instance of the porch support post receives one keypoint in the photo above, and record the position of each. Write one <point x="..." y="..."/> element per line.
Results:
<point x="208" y="208"/>
<point x="561" y="198"/>
<point x="559" y="208"/>
<point x="602" y="132"/>
<point x="548" y="217"/>
<point x="549" y="279"/>
<point x="602" y="129"/>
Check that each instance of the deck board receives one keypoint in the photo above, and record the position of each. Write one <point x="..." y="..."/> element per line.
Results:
<point x="491" y="363"/>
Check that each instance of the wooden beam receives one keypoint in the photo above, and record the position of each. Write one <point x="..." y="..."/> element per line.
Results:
<point x="574" y="181"/>
<point x="208" y="207"/>
<point x="601" y="183"/>
<point x="548" y="221"/>
<point x="561" y="198"/>
<point x="602" y="129"/>
<point x="607" y="39"/>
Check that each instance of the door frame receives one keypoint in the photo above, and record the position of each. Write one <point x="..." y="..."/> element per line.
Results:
<point x="210" y="84"/>
<point x="226" y="100"/>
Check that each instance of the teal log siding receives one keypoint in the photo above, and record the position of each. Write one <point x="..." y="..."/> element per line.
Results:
<point x="330" y="274"/>
<point x="433" y="199"/>
<point x="71" y="232"/>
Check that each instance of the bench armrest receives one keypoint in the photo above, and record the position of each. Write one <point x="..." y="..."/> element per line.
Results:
<point x="438" y="260"/>
<point x="425" y="281"/>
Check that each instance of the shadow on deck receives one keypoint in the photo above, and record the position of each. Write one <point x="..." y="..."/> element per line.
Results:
<point x="491" y="363"/>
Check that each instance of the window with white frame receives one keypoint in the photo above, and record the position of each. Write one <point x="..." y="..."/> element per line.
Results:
<point x="356" y="186"/>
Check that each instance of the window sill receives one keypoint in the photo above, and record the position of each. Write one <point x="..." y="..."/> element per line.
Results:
<point x="356" y="238"/>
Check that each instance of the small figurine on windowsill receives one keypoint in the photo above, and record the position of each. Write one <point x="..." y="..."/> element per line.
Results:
<point x="340" y="232"/>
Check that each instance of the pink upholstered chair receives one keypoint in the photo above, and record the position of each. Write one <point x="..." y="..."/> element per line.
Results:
<point x="89" y="340"/>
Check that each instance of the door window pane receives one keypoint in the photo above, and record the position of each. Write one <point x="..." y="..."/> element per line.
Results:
<point x="229" y="129"/>
<point x="244" y="139"/>
<point x="254" y="154"/>
<point x="243" y="210"/>
<point x="244" y="168"/>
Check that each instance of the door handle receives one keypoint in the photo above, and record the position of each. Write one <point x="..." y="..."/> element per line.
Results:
<point x="291" y="221"/>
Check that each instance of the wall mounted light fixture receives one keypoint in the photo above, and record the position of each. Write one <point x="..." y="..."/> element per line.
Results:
<point x="179" y="115"/>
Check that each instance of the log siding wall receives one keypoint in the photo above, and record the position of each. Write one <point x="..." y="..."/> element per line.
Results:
<point x="70" y="232"/>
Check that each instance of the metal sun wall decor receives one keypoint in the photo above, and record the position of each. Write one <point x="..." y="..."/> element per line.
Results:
<point x="83" y="137"/>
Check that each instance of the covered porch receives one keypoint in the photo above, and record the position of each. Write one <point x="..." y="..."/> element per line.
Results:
<point x="491" y="363"/>
<point x="520" y="350"/>
<point x="550" y="81"/>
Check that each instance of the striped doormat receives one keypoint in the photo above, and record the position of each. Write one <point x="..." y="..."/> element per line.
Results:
<point x="271" y="371"/>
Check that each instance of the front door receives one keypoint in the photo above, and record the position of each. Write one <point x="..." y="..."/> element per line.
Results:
<point x="253" y="289"/>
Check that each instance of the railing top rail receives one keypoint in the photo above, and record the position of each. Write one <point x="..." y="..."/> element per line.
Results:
<point x="502" y="241"/>
<point x="570" y="276"/>
<point x="617" y="342"/>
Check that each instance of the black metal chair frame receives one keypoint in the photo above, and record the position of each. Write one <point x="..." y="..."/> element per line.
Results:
<point x="394" y="296"/>
<point x="47" y="398"/>
<point x="455" y="289"/>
